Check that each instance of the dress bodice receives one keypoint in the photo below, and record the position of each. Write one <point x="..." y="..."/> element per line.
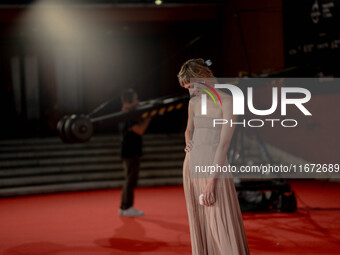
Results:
<point x="205" y="122"/>
<point x="204" y="131"/>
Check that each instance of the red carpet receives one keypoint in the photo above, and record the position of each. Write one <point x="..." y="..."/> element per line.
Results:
<point x="87" y="223"/>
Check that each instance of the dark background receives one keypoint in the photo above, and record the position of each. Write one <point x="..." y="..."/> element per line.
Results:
<point x="69" y="58"/>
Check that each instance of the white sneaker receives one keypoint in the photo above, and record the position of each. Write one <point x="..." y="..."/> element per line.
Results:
<point x="130" y="212"/>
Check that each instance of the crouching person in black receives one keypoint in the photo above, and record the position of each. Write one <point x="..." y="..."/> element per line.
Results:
<point x="131" y="132"/>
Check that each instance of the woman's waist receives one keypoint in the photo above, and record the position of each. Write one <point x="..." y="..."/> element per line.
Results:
<point x="208" y="138"/>
<point x="204" y="143"/>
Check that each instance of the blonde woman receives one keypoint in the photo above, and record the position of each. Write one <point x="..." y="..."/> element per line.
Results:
<point x="216" y="225"/>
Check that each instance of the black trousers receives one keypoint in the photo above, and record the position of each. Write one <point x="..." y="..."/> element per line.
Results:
<point x="131" y="170"/>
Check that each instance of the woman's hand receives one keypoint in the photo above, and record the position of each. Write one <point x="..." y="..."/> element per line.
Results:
<point x="188" y="147"/>
<point x="209" y="193"/>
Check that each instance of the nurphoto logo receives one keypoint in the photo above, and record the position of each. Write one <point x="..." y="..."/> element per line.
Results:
<point x="239" y="104"/>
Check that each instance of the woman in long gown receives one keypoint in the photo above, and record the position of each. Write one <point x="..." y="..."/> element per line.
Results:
<point x="216" y="227"/>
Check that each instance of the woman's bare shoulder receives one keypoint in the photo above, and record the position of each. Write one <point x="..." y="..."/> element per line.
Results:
<point x="194" y="100"/>
<point x="225" y="96"/>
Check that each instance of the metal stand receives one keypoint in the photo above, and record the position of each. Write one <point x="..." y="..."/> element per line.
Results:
<point x="237" y="150"/>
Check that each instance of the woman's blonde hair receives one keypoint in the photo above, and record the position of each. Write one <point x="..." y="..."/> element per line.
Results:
<point x="193" y="68"/>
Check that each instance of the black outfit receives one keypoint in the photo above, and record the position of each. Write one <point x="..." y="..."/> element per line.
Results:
<point x="131" y="150"/>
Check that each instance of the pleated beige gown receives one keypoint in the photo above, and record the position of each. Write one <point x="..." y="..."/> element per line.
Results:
<point x="217" y="229"/>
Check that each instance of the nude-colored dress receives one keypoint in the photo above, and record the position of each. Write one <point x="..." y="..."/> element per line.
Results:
<point x="217" y="229"/>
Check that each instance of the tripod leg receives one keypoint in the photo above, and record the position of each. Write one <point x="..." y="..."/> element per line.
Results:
<point x="264" y="152"/>
<point x="242" y="151"/>
<point x="233" y="147"/>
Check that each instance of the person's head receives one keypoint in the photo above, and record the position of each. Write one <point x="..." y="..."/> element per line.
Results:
<point x="193" y="68"/>
<point x="129" y="99"/>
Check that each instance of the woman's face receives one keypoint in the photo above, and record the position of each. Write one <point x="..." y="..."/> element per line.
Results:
<point x="186" y="85"/>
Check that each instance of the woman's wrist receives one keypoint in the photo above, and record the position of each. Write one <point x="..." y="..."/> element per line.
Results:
<point x="212" y="180"/>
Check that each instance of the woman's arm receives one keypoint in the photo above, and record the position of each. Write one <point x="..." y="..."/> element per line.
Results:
<point x="190" y="129"/>
<point x="221" y="151"/>
<point x="226" y="134"/>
